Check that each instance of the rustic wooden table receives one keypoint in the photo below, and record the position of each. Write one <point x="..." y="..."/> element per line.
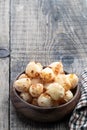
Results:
<point x="44" y="31"/>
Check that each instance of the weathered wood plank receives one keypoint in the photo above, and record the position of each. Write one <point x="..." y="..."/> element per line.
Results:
<point x="4" y="23"/>
<point x="47" y="31"/>
<point x="4" y="65"/>
<point x="4" y="94"/>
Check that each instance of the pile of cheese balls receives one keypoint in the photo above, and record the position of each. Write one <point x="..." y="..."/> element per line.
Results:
<point x="45" y="86"/>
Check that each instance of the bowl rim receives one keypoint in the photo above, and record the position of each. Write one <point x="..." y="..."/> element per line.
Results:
<point x="46" y="108"/>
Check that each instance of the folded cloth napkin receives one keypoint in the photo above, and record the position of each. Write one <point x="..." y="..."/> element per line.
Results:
<point x="78" y="120"/>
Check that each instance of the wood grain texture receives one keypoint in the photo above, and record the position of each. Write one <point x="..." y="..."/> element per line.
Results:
<point x="46" y="31"/>
<point x="4" y="23"/>
<point x="4" y="65"/>
<point x="4" y="94"/>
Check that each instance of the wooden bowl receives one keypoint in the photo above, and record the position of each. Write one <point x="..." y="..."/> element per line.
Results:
<point x="49" y="114"/>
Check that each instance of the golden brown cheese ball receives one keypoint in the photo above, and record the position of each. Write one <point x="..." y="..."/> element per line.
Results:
<point x="44" y="100"/>
<point x="56" y="91"/>
<point x="73" y="80"/>
<point x="36" y="89"/>
<point x="64" y="81"/>
<point x="60" y="78"/>
<point x="22" y="85"/>
<point x="26" y="96"/>
<point x="36" y="80"/>
<point x="68" y="95"/>
<point x="33" y="69"/>
<point x="23" y="76"/>
<point x="68" y="81"/>
<point x="57" y="67"/>
<point x="47" y="75"/>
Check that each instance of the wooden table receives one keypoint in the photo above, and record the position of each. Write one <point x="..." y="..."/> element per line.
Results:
<point x="44" y="31"/>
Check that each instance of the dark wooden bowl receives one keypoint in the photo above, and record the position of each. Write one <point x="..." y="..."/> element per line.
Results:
<point x="50" y="114"/>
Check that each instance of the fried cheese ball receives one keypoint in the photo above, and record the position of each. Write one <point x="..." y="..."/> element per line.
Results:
<point x="60" y="78"/>
<point x="22" y="85"/>
<point x="68" y="95"/>
<point x="33" y="69"/>
<point x="64" y="81"/>
<point x="57" y="67"/>
<point x="68" y="81"/>
<point x="36" y="89"/>
<point x="44" y="100"/>
<point x="47" y="75"/>
<point x="23" y="76"/>
<point x="73" y="80"/>
<point x="36" y="80"/>
<point x="56" y="91"/>
<point x="26" y="96"/>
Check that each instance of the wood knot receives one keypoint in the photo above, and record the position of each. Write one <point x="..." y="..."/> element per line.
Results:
<point x="4" y="53"/>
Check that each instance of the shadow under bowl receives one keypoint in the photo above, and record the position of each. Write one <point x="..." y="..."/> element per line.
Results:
<point x="44" y="114"/>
